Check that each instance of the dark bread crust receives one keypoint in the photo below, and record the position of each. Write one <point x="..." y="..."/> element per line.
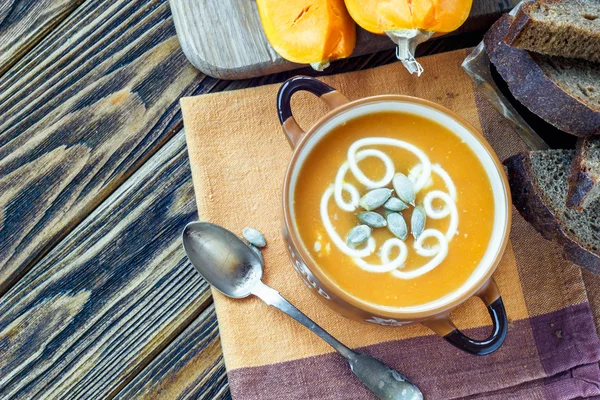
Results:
<point x="528" y="84"/>
<point x="517" y="27"/>
<point x="528" y="200"/>
<point x="581" y="182"/>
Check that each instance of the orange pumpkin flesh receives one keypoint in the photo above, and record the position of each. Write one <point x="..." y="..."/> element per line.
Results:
<point x="381" y="16"/>
<point x="440" y="15"/>
<point x="308" y="31"/>
<point x="347" y="29"/>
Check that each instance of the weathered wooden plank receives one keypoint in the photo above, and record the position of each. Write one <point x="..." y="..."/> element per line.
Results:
<point x="225" y="39"/>
<point x="190" y="368"/>
<point x="23" y="23"/>
<point x="93" y="312"/>
<point x="81" y="111"/>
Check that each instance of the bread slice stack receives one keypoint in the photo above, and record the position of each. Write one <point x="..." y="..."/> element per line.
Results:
<point x="538" y="182"/>
<point x="549" y="56"/>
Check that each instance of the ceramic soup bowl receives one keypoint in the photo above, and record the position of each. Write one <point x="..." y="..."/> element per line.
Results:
<point x="434" y="314"/>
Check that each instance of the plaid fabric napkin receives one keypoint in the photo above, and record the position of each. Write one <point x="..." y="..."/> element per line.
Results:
<point x="239" y="155"/>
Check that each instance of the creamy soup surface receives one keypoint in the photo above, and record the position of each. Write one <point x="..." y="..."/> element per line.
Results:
<point x="458" y="226"/>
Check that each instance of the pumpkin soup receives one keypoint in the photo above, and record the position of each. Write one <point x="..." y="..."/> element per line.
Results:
<point x="394" y="208"/>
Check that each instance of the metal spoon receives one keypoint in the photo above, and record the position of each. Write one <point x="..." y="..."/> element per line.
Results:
<point x="229" y="265"/>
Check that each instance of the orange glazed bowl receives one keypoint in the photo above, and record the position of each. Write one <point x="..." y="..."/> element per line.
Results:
<point x="435" y="312"/>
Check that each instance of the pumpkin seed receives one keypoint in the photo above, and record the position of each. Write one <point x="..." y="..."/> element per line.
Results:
<point x="372" y="219"/>
<point x="375" y="198"/>
<point x="397" y="225"/>
<point x="254" y="237"/>
<point x="417" y="221"/>
<point x="395" y="204"/>
<point x="404" y="188"/>
<point x="257" y="251"/>
<point x="358" y="235"/>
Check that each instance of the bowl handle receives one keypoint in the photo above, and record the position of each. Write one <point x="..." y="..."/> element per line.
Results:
<point x="491" y="298"/>
<point x="329" y="95"/>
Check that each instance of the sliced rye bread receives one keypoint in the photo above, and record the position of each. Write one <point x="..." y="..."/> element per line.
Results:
<point x="584" y="181"/>
<point x="566" y="28"/>
<point x="538" y="183"/>
<point x="563" y="92"/>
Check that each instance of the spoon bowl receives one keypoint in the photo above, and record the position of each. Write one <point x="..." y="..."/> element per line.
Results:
<point x="222" y="259"/>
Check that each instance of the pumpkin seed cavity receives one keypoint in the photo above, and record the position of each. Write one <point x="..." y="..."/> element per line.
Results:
<point x="375" y="198"/>
<point x="372" y="219"/>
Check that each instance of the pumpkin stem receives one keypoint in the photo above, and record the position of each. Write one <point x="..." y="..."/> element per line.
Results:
<point x="407" y="41"/>
<point x="320" y="65"/>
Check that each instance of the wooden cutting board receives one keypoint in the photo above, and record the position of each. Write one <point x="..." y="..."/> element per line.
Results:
<point x="224" y="38"/>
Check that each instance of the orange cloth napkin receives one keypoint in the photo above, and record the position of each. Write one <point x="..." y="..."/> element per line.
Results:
<point x="239" y="154"/>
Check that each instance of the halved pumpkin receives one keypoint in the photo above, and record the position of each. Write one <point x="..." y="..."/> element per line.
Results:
<point x="308" y="31"/>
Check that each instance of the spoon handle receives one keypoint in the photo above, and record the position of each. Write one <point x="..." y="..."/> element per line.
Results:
<point x="383" y="381"/>
<point x="273" y="298"/>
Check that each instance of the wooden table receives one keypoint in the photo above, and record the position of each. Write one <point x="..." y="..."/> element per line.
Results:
<point x="97" y="299"/>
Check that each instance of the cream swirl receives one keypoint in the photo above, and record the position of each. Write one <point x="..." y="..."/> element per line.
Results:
<point x="420" y="175"/>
